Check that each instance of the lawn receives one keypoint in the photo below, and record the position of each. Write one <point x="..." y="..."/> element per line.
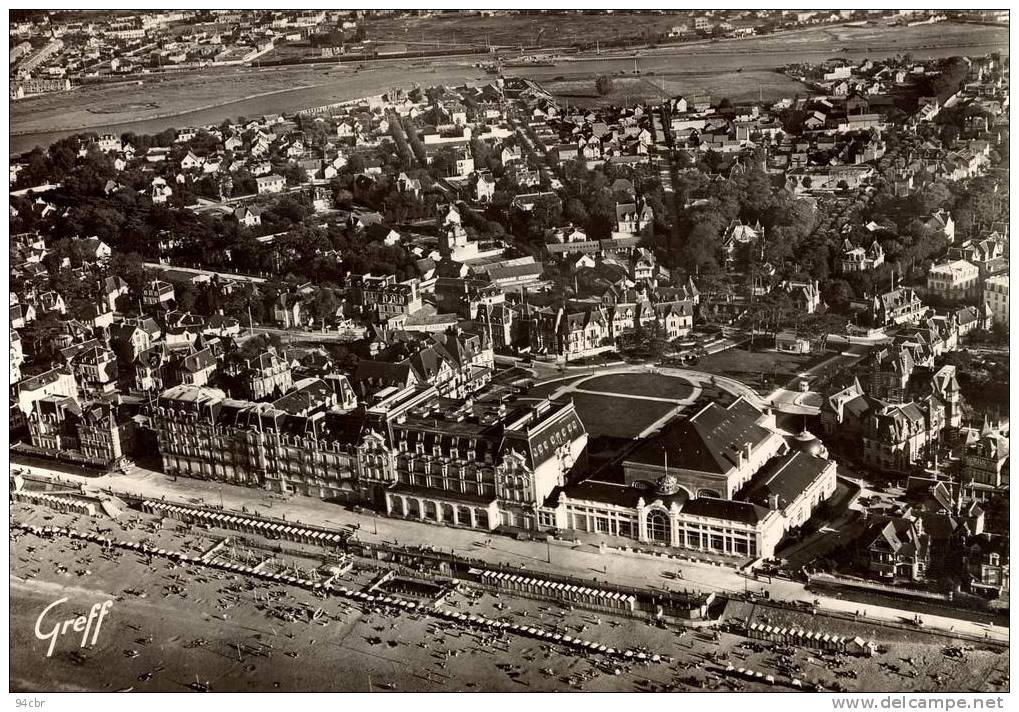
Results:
<point x="544" y="390"/>
<point x="737" y="362"/>
<point x="641" y="384"/>
<point x="618" y="417"/>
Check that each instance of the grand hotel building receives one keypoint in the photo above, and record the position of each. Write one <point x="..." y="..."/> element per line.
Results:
<point x="724" y="481"/>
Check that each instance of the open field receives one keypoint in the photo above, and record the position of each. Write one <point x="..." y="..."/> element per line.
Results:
<point x="198" y="98"/>
<point x="659" y="85"/>
<point x="514" y="30"/>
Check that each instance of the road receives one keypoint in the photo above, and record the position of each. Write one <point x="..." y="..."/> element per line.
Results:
<point x="304" y="334"/>
<point x="212" y="273"/>
<point x="578" y="559"/>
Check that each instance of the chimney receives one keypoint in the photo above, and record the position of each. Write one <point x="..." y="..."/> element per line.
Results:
<point x="773" y="502"/>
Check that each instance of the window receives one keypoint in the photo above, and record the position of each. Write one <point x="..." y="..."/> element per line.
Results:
<point x="658" y="526"/>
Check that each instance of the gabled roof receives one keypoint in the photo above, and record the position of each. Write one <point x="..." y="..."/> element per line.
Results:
<point x="710" y="441"/>
<point x="787" y="477"/>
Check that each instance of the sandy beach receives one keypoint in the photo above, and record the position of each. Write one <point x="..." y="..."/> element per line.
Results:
<point x="178" y="627"/>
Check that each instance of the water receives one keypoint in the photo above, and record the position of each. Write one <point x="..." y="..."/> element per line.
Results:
<point x="923" y="42"/>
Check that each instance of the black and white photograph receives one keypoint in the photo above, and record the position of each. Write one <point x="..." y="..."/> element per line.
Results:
<point x="405" y="351"/>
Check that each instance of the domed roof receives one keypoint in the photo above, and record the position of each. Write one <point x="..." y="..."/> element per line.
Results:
<point x="667" y="485"/>
<point x="808" y="443"/>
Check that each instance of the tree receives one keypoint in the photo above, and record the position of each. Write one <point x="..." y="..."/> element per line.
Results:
<point x="575" y="212"/>
<point x="603" y="85"/>
<point x="324" y="305"/>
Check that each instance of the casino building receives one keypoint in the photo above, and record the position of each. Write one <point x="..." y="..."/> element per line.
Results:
<point x="723" y="482"/>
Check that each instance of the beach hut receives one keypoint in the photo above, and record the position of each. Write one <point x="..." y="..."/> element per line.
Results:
<point x="859" y="646"/>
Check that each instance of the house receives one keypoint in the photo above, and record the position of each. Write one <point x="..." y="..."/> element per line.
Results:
<point x="985" y="464"/>
<point x="527" y="201"/>
<point x="953" y="280"/>
<point x="290" y="311"/>
<point x="644" y="265"/>
<point x="51" y="301"/>
<point x="196" y="369"/>
<point x="897" y="548"/>
<point x="94" y="250"/>
<point x="160" y="192"/>
<point x="128" y="339"/>
<point x="157" y="293"/>
<point x="96" y="315"/>
<point x="406" y="184"/>
<point x="95" y="369"/>
<point x="739" y="236"/>
<point x="806" y="294"/>
<point x="940" y="222"/>
<point x="264" y="376"/>
<point x="463" y="163"/>
<point x="898" y="306"/>
<point x="109" y="142"/>
<point x="271" y="183"/>
<point x="897" y="437"/>
<point x="222" y="326"/>
<point x="112" y="288"/>
<point x="510" y="154"/>
<point x="987" y="560"/>
<point x="249" y="216"/>
<point x="377" y="232"/>
<point x="633" y="218"/>
<point x="858" y="259"/>
<point x="791" y="342"/>
<point x="191" y="161"/>
<point x="483" y="185"/>
<point x="996" y="298"/>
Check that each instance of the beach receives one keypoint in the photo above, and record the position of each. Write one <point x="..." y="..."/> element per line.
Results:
<point x="179" y="626"/>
